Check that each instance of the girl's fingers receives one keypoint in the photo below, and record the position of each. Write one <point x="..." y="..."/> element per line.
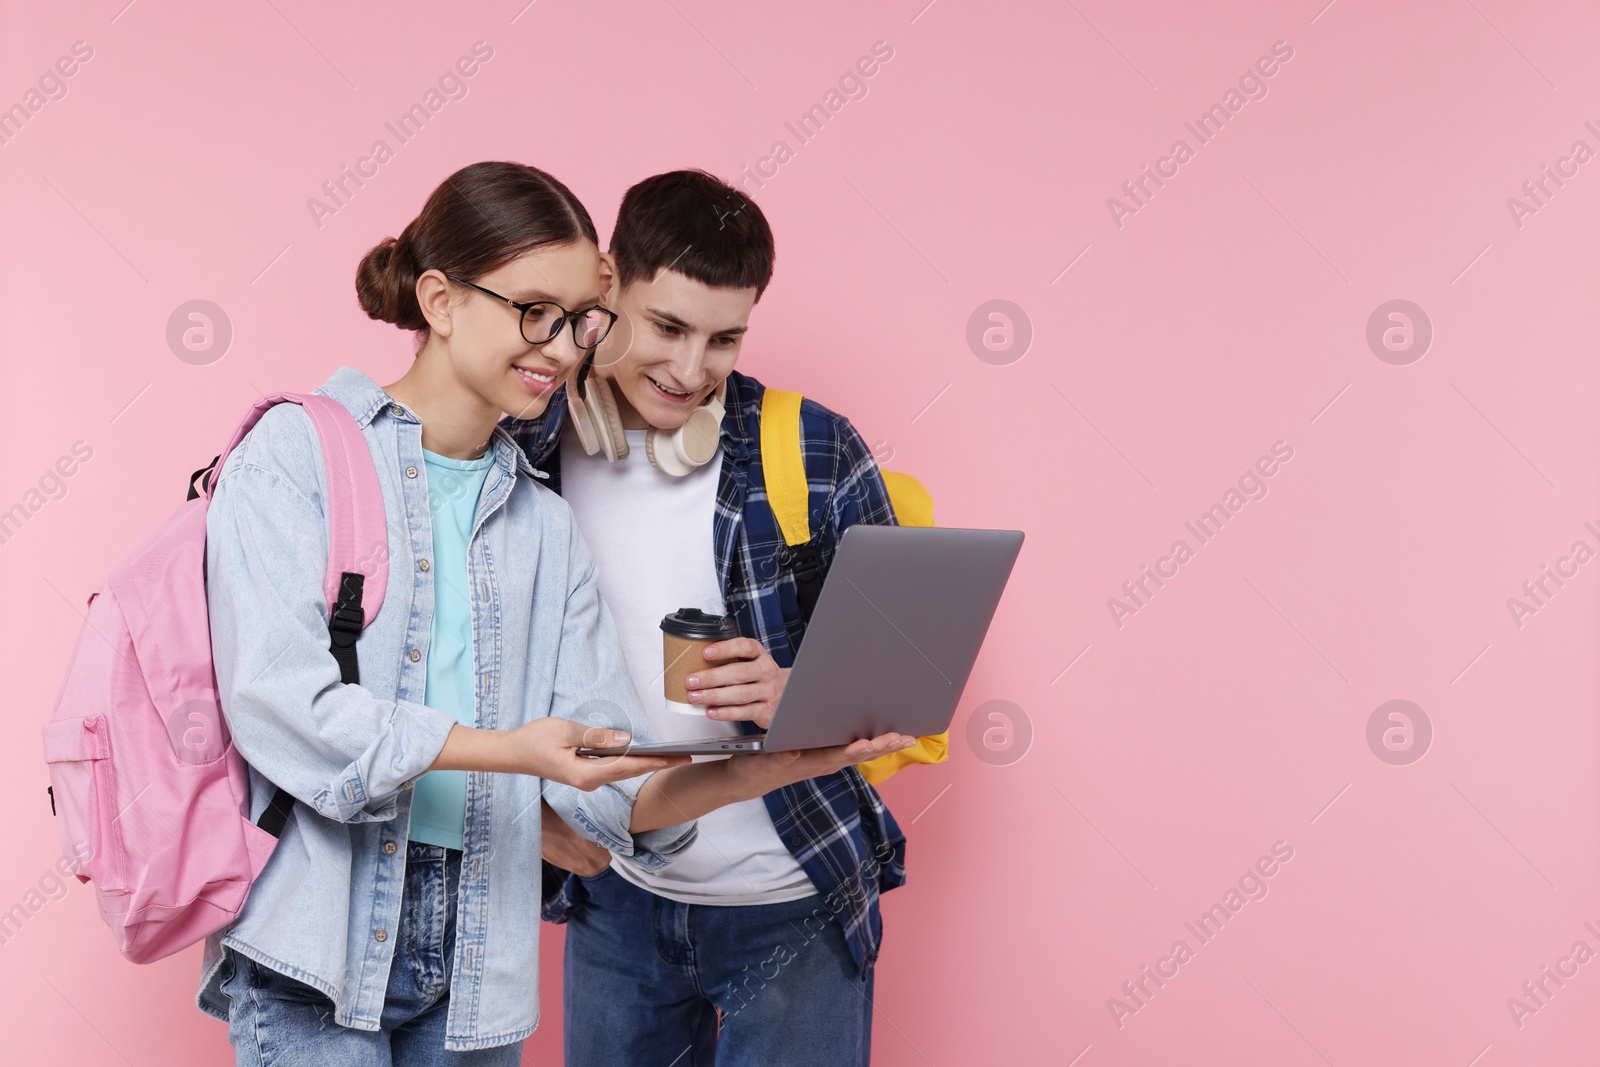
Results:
<point x="600" y="736"/>
<point x="616" y="768"/>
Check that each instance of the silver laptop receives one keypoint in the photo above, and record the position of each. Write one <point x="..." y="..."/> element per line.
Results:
<point x="891" y="643"/>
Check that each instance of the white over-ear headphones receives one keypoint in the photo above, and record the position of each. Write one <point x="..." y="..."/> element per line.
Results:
<point x="676" y="452"/>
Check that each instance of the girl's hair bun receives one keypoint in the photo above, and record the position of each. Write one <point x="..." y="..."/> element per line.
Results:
<point x="482" y="216"/>
<point x="386" y="284"/>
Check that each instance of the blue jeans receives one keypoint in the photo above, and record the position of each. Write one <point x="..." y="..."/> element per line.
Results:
<point x="277" y="1021"/>
<point x="651" y="982"/>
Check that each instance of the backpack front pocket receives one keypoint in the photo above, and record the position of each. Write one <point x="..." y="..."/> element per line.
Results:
<point x="84" y="788"/>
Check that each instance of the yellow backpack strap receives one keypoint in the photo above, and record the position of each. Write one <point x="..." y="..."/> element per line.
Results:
<point x="783" y="466"/>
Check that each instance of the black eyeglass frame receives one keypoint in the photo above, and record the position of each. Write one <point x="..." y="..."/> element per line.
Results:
<point x="568" y="318"/>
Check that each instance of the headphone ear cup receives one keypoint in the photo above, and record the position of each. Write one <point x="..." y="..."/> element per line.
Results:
<point x="697" y="439"/>
<point x="689" y="446"/>
<point x="611" y="435"/>
<point x="582" y="420"/>
<point x="661" y="447"/>
<point x="656" y="459"/>
<point x="596" y="420"/>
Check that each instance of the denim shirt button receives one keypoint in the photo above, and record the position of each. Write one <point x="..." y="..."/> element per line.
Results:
<point x="411" y="472"/>
<point x="380" y="935"/>
<point x="389" y="847"/>
<point x="422" y="564"/>
<point x="415" y="655"/>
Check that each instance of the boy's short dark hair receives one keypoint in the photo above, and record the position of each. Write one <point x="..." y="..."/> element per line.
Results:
<point x="697" y="225"/>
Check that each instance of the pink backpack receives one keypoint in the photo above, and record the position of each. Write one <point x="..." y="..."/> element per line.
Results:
<point x="150" y="798"/>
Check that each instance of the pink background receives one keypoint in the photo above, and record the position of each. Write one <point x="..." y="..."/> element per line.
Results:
<point x="1227" y="314"/>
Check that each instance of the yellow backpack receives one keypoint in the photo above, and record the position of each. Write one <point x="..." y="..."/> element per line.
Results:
<point x="784" y="470"/>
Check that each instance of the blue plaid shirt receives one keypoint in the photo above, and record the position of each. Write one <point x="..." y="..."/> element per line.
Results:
<point x="837" y="827"/>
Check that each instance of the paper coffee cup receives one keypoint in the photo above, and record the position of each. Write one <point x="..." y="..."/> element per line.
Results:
<point x="685" y="634"/>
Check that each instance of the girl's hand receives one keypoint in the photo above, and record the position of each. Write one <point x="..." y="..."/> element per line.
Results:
<point x="548" y="748"/>
<point x="746" y="689"/>
<point x="566" y="848"/>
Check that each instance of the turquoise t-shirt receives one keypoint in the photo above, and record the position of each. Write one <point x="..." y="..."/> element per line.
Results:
<point x="439" y="806"/>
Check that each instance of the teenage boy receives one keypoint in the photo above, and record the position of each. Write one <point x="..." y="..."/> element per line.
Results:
<point x="757" y="945"/>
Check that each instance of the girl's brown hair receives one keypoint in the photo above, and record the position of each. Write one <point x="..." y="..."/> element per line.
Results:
<point x="480" y="217"/>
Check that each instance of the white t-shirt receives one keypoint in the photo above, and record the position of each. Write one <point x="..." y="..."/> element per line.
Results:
<point x="651" y="536"/>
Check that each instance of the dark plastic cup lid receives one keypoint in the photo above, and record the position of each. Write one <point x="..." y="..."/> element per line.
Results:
<point x="696" y="625"/>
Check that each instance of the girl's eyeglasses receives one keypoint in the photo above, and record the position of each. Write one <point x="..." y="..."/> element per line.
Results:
<point x="542" y="319"/>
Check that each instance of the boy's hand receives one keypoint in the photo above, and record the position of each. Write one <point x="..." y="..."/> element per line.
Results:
<point x="761" y="773"/>
<point x="684" y="793"/>
<point x="566" y="848"/>
<point x="746" y="689"/>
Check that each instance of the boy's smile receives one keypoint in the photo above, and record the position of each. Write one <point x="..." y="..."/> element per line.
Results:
<point x="682" y="339"/>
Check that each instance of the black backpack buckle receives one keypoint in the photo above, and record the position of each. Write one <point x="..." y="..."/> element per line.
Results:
<point x="344" y="622"/>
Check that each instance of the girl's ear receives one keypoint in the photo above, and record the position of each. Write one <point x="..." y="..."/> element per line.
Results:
<point x="608" y="280"/>
<point x="433" y="297"/>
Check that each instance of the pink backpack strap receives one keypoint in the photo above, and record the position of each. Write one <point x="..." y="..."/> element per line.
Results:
<point x="358" y="537"/>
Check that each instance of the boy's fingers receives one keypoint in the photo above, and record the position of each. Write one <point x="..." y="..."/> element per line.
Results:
<point x="871" y="748"/>
<point x="744" y="648"/>
<point x="726" y="696"/>
<point x="727" y="674"/>
<point x="730" y="712"/>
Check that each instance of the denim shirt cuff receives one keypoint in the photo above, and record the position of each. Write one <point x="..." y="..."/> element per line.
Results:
<point x="603" y="816"/>
<point x="368" y="790"/>
<point x="654" y="849"/>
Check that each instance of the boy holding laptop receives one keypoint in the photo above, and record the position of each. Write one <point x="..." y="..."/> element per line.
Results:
<point x="757" y="945"/>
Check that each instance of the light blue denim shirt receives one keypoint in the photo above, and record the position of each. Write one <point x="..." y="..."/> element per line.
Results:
<point x="327" y="904"/>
